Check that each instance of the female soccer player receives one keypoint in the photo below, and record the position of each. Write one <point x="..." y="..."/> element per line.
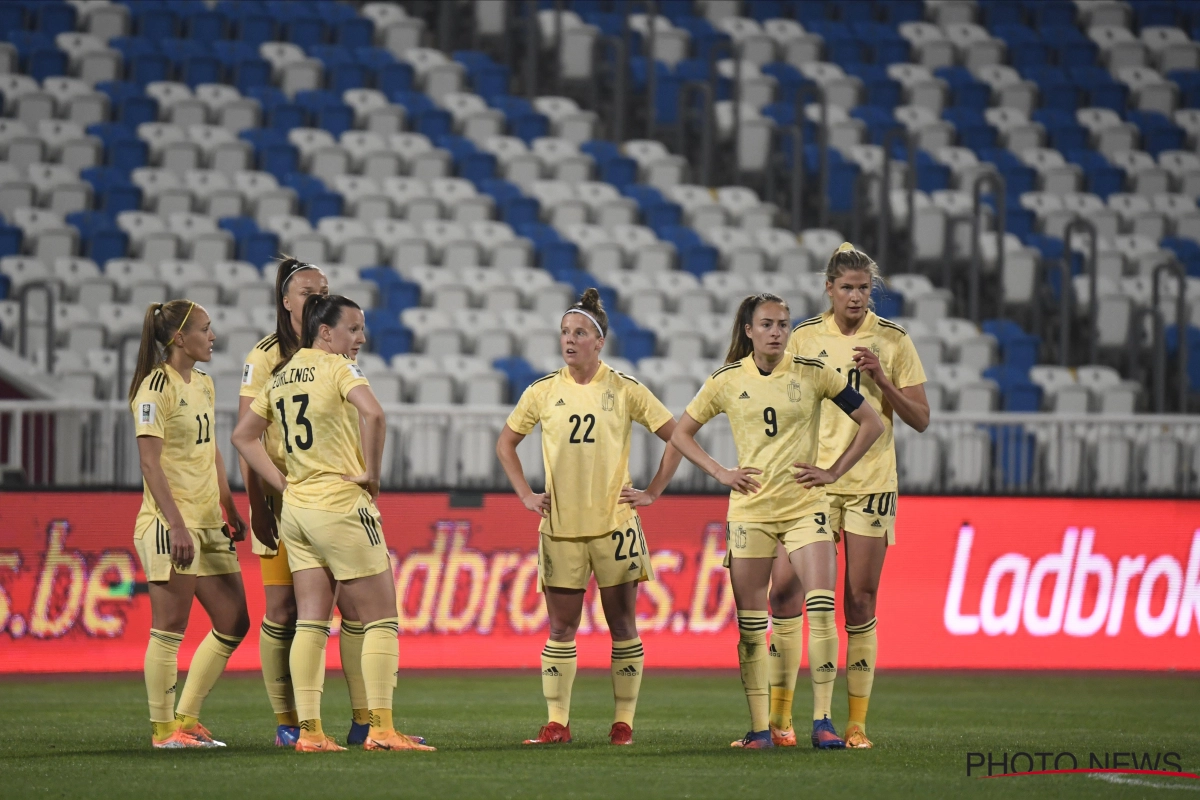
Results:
<point x="185" y="547"/>
<point x="589" y="508"/>
<point x="878" y="359"/>
<point x="329" y="524"/>
<point x="295" y="282"/>
<point x="773" y="401"/>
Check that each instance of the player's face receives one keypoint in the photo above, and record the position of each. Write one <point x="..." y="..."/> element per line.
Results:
<point x="303" y="283"/>
<point x="348" y="336"/>
<point x="851" y="294"/>
<point x="197" y="341"/>
<point x="580" y="341"/>
<point x="769" y="329"/>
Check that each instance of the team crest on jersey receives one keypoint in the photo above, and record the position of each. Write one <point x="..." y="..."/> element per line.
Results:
<point x="874" y="348"/>
<point x="794" y="391"/>
<point x="608" y="401"/>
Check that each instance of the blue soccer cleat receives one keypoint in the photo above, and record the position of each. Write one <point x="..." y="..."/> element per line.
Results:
<point x="754" y="740"/>
<point x="824" y="737"/>
<point x="358" y="733"/>
<point x="286" y="735"/>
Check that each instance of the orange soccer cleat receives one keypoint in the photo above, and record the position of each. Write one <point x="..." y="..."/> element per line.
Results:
<point x="202" y="735"/>
<point x="178" y="740"/>
<point x="620" y="734"/>
<point x="552" y="733"/>
<point x="391" y="740"/>
<point x="324" y="745"/>
<point x="856" y="738"/>
<point x="783" y="737"/>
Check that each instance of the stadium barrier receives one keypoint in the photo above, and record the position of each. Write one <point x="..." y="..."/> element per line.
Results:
<point x="995" y="583"/>
<point x="77" y="444"/>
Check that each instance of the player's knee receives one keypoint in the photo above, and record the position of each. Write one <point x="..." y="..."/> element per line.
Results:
<point x="563" y="631"/>
<point x="623" y="630"/>
<point x="282" y="612"/>
<point x="860" y="606"/>
<point x="786" y="603"/>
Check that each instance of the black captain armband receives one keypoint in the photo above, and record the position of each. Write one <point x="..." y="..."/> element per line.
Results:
<point x="848" y="400"/>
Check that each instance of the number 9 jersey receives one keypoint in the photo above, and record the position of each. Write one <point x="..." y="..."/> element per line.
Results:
<point x="318" y="428"/>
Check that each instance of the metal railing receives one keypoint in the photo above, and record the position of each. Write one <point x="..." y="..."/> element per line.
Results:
<point x="91" y="444"/>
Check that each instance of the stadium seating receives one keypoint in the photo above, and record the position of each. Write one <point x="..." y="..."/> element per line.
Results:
<point x="153" y="150"/>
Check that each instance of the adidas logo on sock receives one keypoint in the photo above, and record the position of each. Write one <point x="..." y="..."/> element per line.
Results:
<point x="859" y="666"/>
<point x="876" y="524"/>
<point x="822" y="354"/>
<point x="172" y="689"/>
<point x="552" y="671"/>
<point x="628" y="671"/>
<point x="744" y="396"/>
<point x="773" y="652"/>
<point x="559" y="403"/>
<point x="284" y="679"/>
<point x="827" y="667"/>
<point x="634" y="567"/>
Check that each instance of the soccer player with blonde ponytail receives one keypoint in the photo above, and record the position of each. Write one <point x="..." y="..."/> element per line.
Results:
<point x="186" y="548"/>
<point x="878" y="359"/>
<point x="773" y="400"/>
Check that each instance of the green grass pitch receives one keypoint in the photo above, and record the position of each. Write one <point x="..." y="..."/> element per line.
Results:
<point x="89" y="738"/>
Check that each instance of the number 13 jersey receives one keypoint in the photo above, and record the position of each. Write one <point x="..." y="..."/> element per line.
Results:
<point x="820" y="338"/>
<point x="585" y="446"/>
<point x="775" y="419"/>
<point x="306" y="400"/>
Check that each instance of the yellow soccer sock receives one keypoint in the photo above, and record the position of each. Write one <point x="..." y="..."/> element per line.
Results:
<point x="350" y="645"/>
<point x="862" y="648"/>
<point x="752" y="658"/>
<point x="274" y="649"/>
<point x="380" y="660"/>
<point x="822" y="649"/>
<point x="308" y="673"/>
<point x="783" y="664"/>
<point x="162" y="671"/>
<point x="628" y="664"/>
<point x="558" y="676"/>
<point x="207" y="665"/>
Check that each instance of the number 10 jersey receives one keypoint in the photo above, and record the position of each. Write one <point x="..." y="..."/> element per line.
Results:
<point x="585" y="446"/>
<point x="318" y="428"/>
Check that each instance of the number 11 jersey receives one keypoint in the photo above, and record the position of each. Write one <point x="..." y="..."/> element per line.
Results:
<point x="585" y="446"/>
<point x="306" y="401"/>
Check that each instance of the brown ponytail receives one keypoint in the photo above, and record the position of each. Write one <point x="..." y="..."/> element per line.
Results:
<point x="740" y="345"/>
<point x="318" y="310"/>
<point x="289" y="342"/>
<point x="591" y="303"/>
<point x="162" y="322"/>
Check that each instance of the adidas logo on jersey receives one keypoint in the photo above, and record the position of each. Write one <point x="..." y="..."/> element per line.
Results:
<point x="628" y="671"/>
<point x="827" y="667"/>
<point x="182" y="402"/>
<point x="560" y="402"/>
<point x="552" y="671"/>
<point x="744" y="396"/>
<point x="634" y="567"/>
<point x="876" y="524"/>
<point x="820" y="530"/>
<point x="860" y="666"/>
<point x="822" y="354"/>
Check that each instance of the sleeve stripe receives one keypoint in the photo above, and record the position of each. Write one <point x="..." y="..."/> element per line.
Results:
<point x="726" y="368"/>
<point x="158" y="381"/>
<point x="268" y="342"/>
<point x="543" y="378"/>
<point x="806" y="323"/>
<point x="629" y="378"/>
<point x="887" y="323"/>
<point x="811" y="362"/>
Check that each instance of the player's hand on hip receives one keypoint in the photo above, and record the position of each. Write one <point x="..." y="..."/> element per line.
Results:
<point x="537" y="503"/>
<point x="809" y="476"/>
<point x="263" y="528"/>
<point x="867" y="363"/>
<point x="371" y="485"/>
<point x="739" y="479"/>
<point x="636" y="497"/>
<point x="182" y="549"/>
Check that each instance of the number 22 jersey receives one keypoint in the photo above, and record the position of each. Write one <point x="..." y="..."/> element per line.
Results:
<point x="585" y="446"/>
<point x="318" y="428"/>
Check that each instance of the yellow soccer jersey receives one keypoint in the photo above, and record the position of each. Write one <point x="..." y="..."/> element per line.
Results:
<point x="820" y="338"/>
<point x="306" y="401"/>
<point x="775" y="420"/>
<point x="255" y="374"/>
<point x="182" y="415"/>
<point x="585" y="446"/>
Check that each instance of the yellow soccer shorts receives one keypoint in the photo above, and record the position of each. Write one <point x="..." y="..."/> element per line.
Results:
<point x="273" y="564"/>
<point x="760" y="539"/>
<point x="614" y="558"/>
<point x="214" y="553"/>
<point x="349" y="543"/>
<point x="864" y="514"/>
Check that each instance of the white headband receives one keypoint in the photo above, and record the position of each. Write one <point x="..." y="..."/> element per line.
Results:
<point x="292" y="274"/>
<point x="599" y="329"/>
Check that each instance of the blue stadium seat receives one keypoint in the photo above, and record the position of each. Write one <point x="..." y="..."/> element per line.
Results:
<point x="1100" y="177"/>
<point x="54" y="18"/>
<point x="1062" y="128"/>
<point x="1103" y="91"/>
<point x="881" y="90"/>
<point x="202" y="24"/>
<point x="973" y="129"/>
<point x="245" y="68"/>
<point x="10" y="240"/>
<point x="1186" y="250"/>
<point x="326" y="110"/>
<point x="122" y="148"/>
<point x="1147" y="14"/>
<point x="554" y="256"/>
<point x="1017" y="392"/>
<point x="253" y="245"/>
<point x="888" y="302"/>
<point x="154" y="22"/>
<point x="966" y="91"/>
<point x="1158" y="132"/>
<point x="100" y="238"/>
<point x="1056" y="90"/>
<point x="879" y="121"/>
<point x="1015" y="450"/>
<point x="519" y="374"/>
<point x="695" y="256"/>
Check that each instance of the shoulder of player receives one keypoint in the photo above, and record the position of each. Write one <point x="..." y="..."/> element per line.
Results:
<point x="622" y="379"/>
<point x="890" y="329"/>
<point x="808" y="326"/>
<point x="726" y="372"/>
<point x="158" y="381"/>
<point x="267" y="343"/>
<point x="802" y="362"/>
<point x="543" y="383"/>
